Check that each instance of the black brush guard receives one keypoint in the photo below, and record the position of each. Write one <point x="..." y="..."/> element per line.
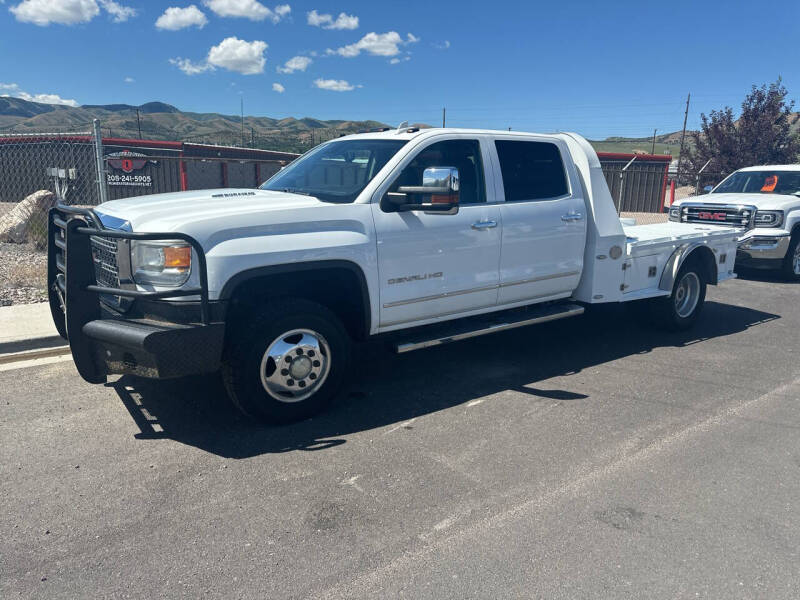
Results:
<point x="103" y="342"/>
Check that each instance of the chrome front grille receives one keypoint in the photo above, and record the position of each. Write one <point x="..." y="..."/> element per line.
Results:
<point x="735" y="216"/>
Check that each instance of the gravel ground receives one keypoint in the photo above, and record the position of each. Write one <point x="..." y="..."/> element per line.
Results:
<point x="23" y="271"/>
<point x="646" y="218"/>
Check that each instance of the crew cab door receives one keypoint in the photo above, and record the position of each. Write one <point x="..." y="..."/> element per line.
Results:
<point x="434" y="264"/>
<point x="544" y="221"/>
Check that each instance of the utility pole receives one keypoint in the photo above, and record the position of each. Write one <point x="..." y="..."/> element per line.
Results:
<point x="653" y="151"/>
<point x="138" y="124"/>
<point x="242" y="112"/>
<point x="683" y="137"/>
<point x="252" y="138"/>
<point x="444" y="117"/>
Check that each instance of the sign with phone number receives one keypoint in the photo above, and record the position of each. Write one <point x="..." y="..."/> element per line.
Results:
<point x="130" y="180"/>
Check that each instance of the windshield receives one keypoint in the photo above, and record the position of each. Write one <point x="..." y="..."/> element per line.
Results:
<point x="336" y="171"/>
<point x="760" y="182"/>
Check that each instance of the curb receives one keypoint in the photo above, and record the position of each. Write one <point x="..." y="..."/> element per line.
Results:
<point x="31" y="344"/>
<point x="11" y="357"/>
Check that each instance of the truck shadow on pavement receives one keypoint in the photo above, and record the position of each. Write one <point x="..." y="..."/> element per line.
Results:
<point x="763" y="275"/>
<point x="389" y="389"/>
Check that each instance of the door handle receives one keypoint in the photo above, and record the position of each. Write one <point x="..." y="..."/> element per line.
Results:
<point x="569" y="217"/>
<point x="484" y="225"/>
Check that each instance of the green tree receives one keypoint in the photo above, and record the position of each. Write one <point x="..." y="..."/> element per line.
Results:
<point x="761" y="135"/>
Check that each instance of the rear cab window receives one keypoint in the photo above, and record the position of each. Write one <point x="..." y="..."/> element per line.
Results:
<point x="531" y="170"/>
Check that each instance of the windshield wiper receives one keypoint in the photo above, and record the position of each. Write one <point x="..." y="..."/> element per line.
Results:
<point x="295" y="191"/>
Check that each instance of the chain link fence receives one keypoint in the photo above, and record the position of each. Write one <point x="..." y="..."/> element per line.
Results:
<point x="687" y="186"/>
<point x="81" y="168"/>
<point x="36" y="171"/>
<point x="61" y="163"/>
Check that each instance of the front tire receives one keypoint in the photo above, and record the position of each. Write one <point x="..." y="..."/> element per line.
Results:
<point x="791" y="263"/>
<point x="287" y="361"/>
<point x="680" y="310"/>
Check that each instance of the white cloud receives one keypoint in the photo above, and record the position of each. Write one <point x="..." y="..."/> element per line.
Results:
<point x="175" y="18"/>
<point x="248" y="9"/>
<point x="13" y="90"/>
<point x="442" y="45"/>
<point x="69" y="12"/>
<point x="334" y="85"/>
<point x="396" y="60"/>
<point x="297" y="63"/>
<point x="62" y="12"/>
<point x="189" y="67"/>
<point x="118" y="13"/>
<point x="232" y="54"/>
<point x="238" y="55"/>
<point x="377" y="44"/>
<point x="130" y="80"/>
<point x="277" y="87"/>
<point x="326" y="21"/>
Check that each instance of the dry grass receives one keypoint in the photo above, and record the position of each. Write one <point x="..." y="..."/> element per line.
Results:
<point x="23" y="274"/>
<point x="32" y="275"/>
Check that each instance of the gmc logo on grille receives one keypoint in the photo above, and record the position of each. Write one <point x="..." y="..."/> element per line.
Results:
<point x="711" y="216"/>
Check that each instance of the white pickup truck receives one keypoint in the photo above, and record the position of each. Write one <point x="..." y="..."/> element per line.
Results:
<point x="765" y="200"/>
<point x="422" y="237"/>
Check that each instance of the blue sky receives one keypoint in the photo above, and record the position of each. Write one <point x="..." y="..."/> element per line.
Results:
<point x="599" y="68"/>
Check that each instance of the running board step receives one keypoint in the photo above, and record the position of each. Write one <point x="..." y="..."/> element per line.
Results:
<point x="475" y="326"/>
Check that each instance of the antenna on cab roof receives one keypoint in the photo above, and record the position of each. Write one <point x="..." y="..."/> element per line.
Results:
<point x="402" y="126"/>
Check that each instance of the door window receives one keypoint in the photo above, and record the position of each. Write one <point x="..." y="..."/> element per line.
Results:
<point x="531" y="170"/>
<point x="464" y="155"/>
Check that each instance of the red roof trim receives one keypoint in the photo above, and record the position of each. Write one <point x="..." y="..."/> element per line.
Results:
<point x="627" y="156"/>
<point x="137" y="142"/>
<point x="188" y="146"/>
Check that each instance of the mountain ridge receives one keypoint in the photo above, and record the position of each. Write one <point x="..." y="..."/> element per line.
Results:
<point x="162" y="121"/>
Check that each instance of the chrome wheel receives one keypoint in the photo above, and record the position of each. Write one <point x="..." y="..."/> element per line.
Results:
<point x="295" y="365"/>
<point x="687" y="294"/>
<point x="796" y="260"/>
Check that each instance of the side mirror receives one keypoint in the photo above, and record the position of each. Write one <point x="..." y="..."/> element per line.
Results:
<point x="439" y="192"/>
<point x="708" y="189"/>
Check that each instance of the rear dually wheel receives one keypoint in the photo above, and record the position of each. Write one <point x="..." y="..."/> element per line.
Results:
<point x="680" y="310"/>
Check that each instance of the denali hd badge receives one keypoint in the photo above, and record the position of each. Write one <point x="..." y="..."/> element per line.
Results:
<point x="421" y="277"/>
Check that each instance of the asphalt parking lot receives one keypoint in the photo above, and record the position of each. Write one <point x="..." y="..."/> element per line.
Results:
<point x="585" y="458"/>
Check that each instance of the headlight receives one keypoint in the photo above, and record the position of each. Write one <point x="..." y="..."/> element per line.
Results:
<point x="769" y="218"/>
<point x="675" y="213"/>
<point x="164" y="263"/>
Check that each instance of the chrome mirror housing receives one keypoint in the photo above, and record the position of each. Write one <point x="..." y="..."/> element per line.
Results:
<point x="439" y="192"/>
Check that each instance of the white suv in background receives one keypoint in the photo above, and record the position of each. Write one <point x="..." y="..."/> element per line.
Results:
<point x="765" y="200"/>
